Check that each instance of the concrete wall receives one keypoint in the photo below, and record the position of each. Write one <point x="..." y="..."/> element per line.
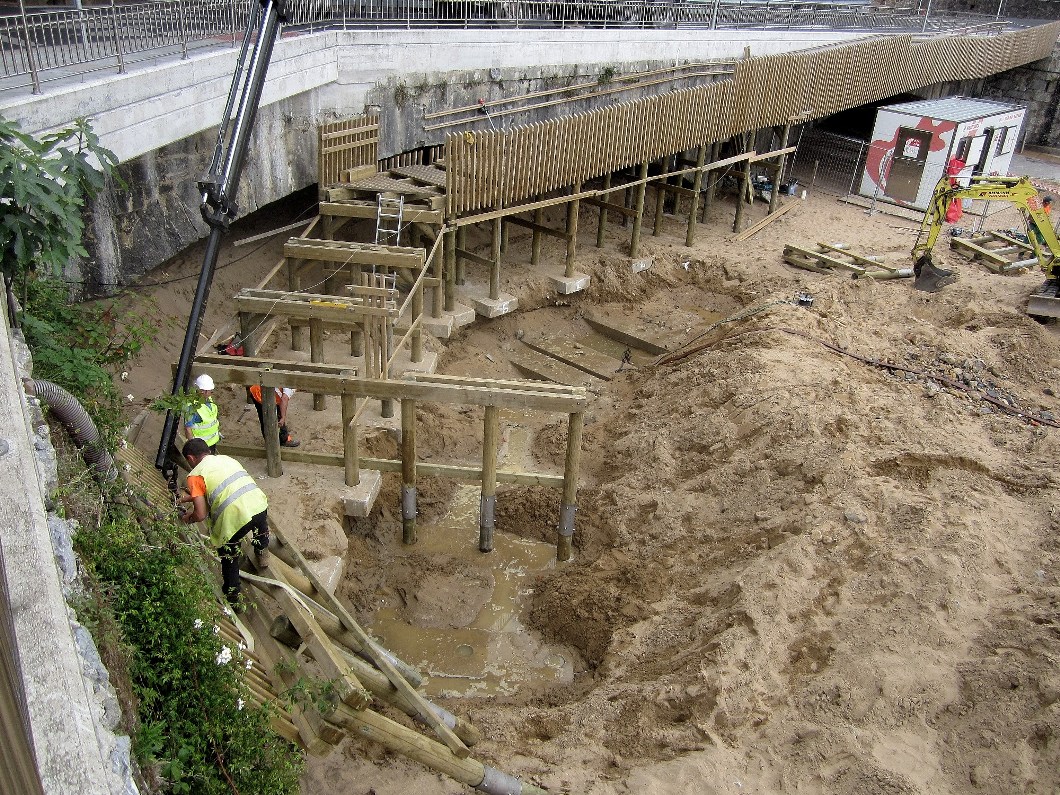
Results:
<point x="161" y="120"/>
<point x="72" y="710"/>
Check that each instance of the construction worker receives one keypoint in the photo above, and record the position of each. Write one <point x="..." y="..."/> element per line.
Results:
<point x="202" y="423"/>
<point x="283" y="399"/>
<point x="222" y="493"/>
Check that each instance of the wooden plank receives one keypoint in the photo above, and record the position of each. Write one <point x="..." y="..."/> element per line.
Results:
<point x="633" y="333"/>
<point x="590" y="361"/>
<point x="538" y="365"/>
<point x="349" y="689"/>
<point x="972" y="251"/>
<point x="454" y="743"/>
<point x="755" y="228"/>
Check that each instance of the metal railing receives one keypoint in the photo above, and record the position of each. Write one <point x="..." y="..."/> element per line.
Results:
<point x="39" y="46"/>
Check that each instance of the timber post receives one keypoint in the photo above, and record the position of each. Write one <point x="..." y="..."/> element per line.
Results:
<point x="572" y="233"/>
<point x="745" y="187"/>
<point x="349" y="440"/>
<point x="697" y="185"/>
<point x="416" y="354"/>
<point x="638" y="217"/>
<point x="294" y="285"/>
<point x="712" y="181"/>
<point x="488" y="501"/>
<point x="495" y="258"/>
<point x="778" y="170"/>
<point x="575" y="422"/>
<point x="316" y="355"/>
<point x="357" y="341"/>
<point x="449" y="246"/>
<point x="408" y="471"/>
<point x="461" y="244"/>
<point x="660" y="197"/>
<point x="535" y="242"/>
<point x="601" y="224"/>
<point x="271" y="431"/>
<point x="438" y="271"/>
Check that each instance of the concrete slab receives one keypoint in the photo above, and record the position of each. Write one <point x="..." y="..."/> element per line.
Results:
<point x="565" y="285"/>
<point x="545" y="368"/>
<point x="359" y="500"/>
<point x="585" y="359"/>
<point x="491" y="307"/>
<point x="629" y="331"/>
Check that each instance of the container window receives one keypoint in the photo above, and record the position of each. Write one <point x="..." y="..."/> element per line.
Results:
<point x="1004" y="145"/>
<point x="964" y="147"/>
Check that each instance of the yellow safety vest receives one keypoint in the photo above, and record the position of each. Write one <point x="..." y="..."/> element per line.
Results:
<point x="232" y="496"/>
<point x="208" y="428"/>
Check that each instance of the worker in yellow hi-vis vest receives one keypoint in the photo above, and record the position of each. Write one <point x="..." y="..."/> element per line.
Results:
<point x="227" y="498"/>
<point x="202" y="422"/>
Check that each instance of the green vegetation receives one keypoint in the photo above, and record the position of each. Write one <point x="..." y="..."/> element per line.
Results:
<point x="148" y="601"/>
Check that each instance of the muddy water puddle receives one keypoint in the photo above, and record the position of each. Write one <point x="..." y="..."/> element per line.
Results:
<point x="495" y="653"/>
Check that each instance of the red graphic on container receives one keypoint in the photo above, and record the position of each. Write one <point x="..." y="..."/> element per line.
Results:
<point x="883" y="150"/>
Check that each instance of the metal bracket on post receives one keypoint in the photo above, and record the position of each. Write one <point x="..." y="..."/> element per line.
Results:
<point x="408" y="502"/>
<point x="566" y="520"/>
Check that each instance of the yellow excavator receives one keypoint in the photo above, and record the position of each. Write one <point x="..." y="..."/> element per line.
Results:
<point x="1041" y="237"/>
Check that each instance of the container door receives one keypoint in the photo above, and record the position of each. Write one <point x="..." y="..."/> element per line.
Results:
<point x="907" y="168"/>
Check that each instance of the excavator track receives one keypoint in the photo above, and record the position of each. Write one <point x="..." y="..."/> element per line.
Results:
<point x="1045" y="301"/>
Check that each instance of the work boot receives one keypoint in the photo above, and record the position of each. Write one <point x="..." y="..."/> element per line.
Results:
<point x="929" y="277"/>
<point x="263" y="558"/>
<point x="290" y="443"/>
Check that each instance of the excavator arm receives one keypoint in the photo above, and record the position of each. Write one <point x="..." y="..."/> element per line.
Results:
<point x="219" y="187"/>
<point x="1018" y="191"/>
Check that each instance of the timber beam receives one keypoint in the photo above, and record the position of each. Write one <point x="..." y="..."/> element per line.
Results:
<point x="308" y="306"/>
<point x="545" y="230"/>
<point x="354" y="253"/>
<point x="462" y="474"/>
<point x="484" y="395"/>
<point x="366" y="209"/>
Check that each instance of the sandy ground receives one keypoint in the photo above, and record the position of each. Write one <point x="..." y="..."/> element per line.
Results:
<point x="794" y="571"/>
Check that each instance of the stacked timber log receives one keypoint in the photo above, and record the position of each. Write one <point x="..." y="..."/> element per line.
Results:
<point x="833" y="257"/>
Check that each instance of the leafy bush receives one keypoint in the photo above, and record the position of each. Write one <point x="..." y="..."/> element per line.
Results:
<point x="198" y="732"/>
<point x="148" y="604"/>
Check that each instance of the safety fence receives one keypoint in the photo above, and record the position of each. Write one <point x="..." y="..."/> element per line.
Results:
<point x="40" y="46"/>
<point x="488" y="170"/>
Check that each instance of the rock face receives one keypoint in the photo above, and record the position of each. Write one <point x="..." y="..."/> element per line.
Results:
<point x="152" y="210"/>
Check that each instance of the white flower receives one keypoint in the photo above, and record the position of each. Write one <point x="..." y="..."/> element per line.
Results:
<point x="224" y="656"/>
<point x="242" y="646"/>
<point x="198" y="623"/>
<point x="250" y="663"/>
<point x="124" y="375"/>
<point x="240" y="703"/>
<point x="130" y="398"/>
<point x="216" y="630"/>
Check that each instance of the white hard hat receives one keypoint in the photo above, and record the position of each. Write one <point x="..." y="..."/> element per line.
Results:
<point x="204" y="382"/>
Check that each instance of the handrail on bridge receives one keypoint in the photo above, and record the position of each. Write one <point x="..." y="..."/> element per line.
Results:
<point x="41" y="46"/>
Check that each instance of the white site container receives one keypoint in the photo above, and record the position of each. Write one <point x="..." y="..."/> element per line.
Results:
<point x="913" y="142"/>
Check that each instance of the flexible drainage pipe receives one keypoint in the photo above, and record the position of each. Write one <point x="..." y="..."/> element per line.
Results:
<point x="75" y="419"/>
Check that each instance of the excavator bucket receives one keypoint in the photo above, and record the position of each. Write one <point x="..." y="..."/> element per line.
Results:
<point x="929" y="277"/>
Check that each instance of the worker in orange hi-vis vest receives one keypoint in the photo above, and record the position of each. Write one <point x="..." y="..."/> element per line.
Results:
<point x="283" y="399"/>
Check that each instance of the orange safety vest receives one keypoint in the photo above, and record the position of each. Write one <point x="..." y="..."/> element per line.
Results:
<point x="255" y="392"/>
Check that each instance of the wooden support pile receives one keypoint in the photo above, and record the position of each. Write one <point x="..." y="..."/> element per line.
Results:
<point x="830" y="257"/>
<point x="997" y="251"/>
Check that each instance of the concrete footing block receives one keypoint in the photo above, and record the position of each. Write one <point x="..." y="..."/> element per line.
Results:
<point x="495" y="307"/>
<point x="444" y="326"/>
<point x="565" y="285"/>
<point x="403" y="365"/>
<point x="357" y="501"/>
